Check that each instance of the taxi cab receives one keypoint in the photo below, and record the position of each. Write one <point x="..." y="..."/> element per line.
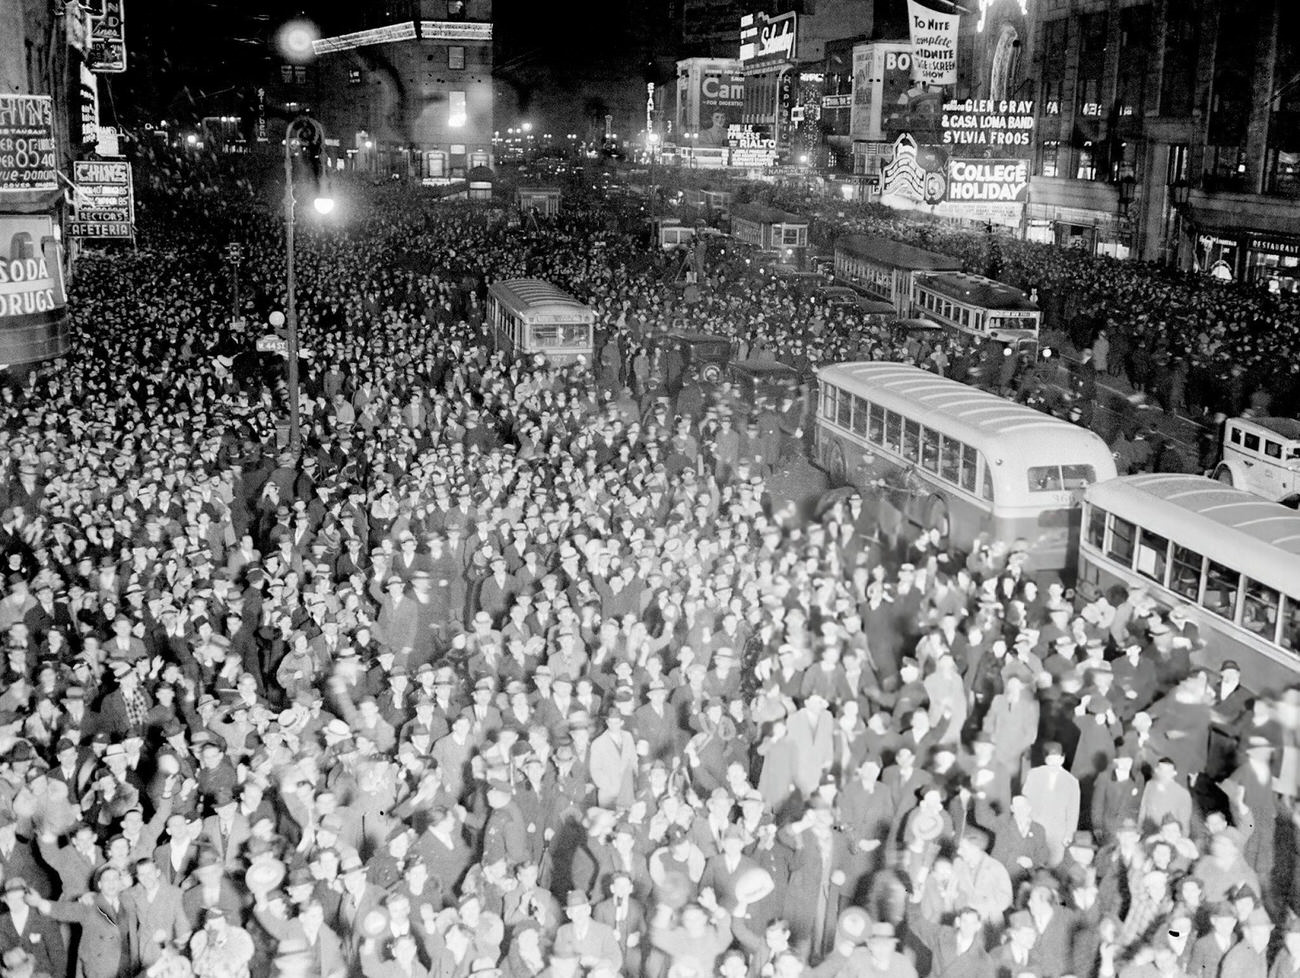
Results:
<point x="1262" y="455"/>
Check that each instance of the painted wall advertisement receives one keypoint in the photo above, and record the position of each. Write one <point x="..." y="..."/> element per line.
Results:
<point x="31" y="274"/>
<point x="722" y="99"/>
<point x="864" y="73"/>
<point x="105" y="205"/>
<point x="27" y="155"/>
<point x="107" y="54"/>
<point x="934" y="44"/>
<point x="752" y="146"/>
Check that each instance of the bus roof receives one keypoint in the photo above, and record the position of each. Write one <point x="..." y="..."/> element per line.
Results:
<point x="1224" y="523"/>
<point x="531" y="295"/>
<point x="978" y="290"/>
<point x="895" y="254"/>
<point x="1006" y="432"/>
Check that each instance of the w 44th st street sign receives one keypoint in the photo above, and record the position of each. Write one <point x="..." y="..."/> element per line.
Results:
<point x="271" y="343"/>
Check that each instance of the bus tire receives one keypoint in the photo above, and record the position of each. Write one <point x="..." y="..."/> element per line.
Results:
<point x="936" y="518"/>
<point x="1224" y="474"/>
<point x="711" y="372"/>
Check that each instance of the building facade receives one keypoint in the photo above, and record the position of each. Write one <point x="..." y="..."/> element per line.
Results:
<point x="412" y="97"/>
<point x="1166" y="130"/>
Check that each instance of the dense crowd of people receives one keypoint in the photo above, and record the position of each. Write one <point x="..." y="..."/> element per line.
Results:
<point x="520" y="671"/>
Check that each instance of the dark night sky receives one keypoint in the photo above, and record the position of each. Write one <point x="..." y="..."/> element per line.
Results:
<point x="194" y="58"/>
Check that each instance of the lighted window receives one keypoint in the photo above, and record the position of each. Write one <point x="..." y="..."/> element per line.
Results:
<point x="456" y="111"/>
<point x="456" y="56"/>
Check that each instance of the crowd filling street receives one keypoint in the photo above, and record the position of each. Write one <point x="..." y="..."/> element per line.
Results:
<point x="521" y="671"/>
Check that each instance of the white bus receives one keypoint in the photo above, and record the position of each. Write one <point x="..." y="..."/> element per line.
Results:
<point x="981" y="464"/>
<point x="528" y="316"/>
<point x="978" y="307"/>
<point x="1231" y="558"/>
<point x="883" y="267"/>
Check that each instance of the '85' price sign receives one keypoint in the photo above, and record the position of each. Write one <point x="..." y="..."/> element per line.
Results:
<point x="107" y="54"/>
<point x="27" y="157"/>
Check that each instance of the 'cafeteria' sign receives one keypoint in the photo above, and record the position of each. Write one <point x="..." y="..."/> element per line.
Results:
<point x="27" y="159"/>
<point x="105" y="205"/>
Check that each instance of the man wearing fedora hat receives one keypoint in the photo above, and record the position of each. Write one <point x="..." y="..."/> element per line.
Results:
<point x="24" y="930"/>
<point x="592" y="941"/>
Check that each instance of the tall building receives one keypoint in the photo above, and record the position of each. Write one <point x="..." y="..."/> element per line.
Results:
<point x="411" y="96"/>
<point x="1166" y="130"/>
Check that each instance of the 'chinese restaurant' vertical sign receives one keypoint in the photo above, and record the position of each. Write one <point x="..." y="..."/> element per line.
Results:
<point x="27" y="156"/>
<point x="107" y="54"/>
<point x="105" y="203"/>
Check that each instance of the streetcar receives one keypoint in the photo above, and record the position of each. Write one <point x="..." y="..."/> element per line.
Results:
<point x="976" y="466"/>
<point x="883" y="268"/>
<point x="978" y="307"/>
<point x="1230" y="558"/>
<point x="527" y="317"/>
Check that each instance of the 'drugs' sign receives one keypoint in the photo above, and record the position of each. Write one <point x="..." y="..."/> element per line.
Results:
<point x="31" y="276"/>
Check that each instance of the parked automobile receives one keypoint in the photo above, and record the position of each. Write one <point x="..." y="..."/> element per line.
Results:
<point x="1262" y="455"/>
<point x="706" y="353"/>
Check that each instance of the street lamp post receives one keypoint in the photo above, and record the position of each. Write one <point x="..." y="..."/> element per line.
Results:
<point x="323" y="205"/>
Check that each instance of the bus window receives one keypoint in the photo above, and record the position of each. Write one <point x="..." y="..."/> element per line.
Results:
<point x="1077" y="476"/>
<point x="1252" y="442"/>
<point x="876" y="426"/>
<point x="1152" y="556"/>
<point x="986" y="490"/>
<point x="828" y="402"/>
<point x="1272" y="449"/>
<point x="575" y="334"/>
<point x="968" y="459"/>
<point x="1185" y="576"/>
<point x="546" y="335"/>
<point x="1096" y="533"/>
<point x="1123" y="536"/>
<point x="860" y="409"/>
<point x="844" y="410"/>
<point x="930" y="450"/>
<point x="1235" y="435"/>
<point x="1044" y="478"/>
<point x="950" y="460"/>
<point x="1221" y="585"/>
<point x="911" y="440"/>
<point x="1290" y="635"/>
<point x="1260" y="611"/>
<point x="893" y="431"/>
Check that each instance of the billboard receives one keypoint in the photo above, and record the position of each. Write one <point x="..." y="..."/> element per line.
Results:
<point x="865" y="60"/>
<point x="996" y="127"/>
<point x="722" y="100"/>
<point x="105" y="204"/>
<point x="107" y="54"/>
<point x="752" y="145"/>
<point x="27" y="157"/>
<point x="766" y="39"/>
<point x="31" y="274"/>
<point x="921" y="177"/>
<point x="934" y="44"/>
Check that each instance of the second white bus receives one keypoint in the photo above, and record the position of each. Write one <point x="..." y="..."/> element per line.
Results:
<point x="1231" y="558"/>
<point x="983" y="465"/>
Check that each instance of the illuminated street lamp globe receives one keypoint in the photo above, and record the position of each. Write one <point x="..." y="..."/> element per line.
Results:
<point x="276" y="319"/>
<point x="323" y="205"/>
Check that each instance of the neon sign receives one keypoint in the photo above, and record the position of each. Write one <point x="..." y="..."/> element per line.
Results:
<point x="986" y="4"/>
